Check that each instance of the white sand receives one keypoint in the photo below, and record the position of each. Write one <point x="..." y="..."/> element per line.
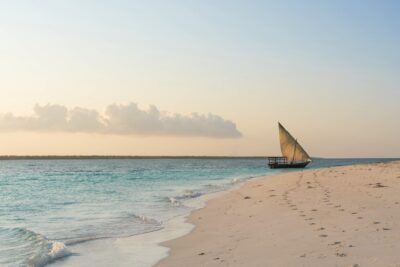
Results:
<point x="343" y="216"/>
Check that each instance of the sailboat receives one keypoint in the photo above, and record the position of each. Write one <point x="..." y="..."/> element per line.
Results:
<point x="293" y="154"/>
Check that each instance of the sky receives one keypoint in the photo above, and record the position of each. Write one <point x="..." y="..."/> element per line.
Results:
<point x="199" y="77"/>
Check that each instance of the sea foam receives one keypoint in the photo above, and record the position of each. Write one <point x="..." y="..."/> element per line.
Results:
<point x="51" y="251"/>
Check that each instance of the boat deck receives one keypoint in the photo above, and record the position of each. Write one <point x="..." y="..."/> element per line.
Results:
<point x="277" y="160"/>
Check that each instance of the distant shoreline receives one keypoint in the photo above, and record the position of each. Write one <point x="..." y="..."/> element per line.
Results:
<point x="72" y="157"/>
<point x="5" y="157"/>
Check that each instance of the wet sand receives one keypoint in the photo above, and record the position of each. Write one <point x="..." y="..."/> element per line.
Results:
<point x="341" y="216"/>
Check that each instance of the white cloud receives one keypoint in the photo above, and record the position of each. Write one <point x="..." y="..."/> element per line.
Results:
<point x="126" y="119"/>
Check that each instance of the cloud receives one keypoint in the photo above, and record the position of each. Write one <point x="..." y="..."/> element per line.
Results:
<point x="126" y="119"/>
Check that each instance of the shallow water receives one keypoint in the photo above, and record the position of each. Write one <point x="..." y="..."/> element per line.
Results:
<point x="49" y="207"/>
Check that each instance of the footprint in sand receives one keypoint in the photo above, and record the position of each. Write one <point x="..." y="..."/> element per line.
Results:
<point x="354" y="213"/>
<point x="376" y="222"/>
<point x="323" y="235"/>
<point x="312" y="223"/>
<point x="386" y="229"/>
<point x="379" y="185"/>
<point x="314" y="210"/>
<point x="359" y="218"/>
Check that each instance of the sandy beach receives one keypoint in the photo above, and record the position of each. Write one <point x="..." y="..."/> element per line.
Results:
<point x="341" y="216"/>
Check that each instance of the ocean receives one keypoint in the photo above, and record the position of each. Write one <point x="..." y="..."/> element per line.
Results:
<point x="49" y="207"/>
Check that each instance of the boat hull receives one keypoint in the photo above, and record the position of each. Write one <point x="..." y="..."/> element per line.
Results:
<point x="295" y="165"/>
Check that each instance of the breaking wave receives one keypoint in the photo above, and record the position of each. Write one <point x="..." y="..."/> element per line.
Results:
<point x="23" y="247"/>
<point x="28" y="248"/>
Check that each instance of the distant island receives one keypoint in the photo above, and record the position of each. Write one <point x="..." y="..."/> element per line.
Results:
<point x="48" y="157"/>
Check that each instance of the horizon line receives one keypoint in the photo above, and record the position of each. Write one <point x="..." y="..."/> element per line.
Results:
<point x="38" y="157"/>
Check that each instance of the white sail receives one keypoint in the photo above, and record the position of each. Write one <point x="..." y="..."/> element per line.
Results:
<point x="290" y="148"/>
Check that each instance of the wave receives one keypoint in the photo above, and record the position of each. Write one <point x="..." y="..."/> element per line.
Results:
<point x="191" y="194"/>
<point x="146" y="219"/>
<point x="187" y="194"/>
<point x="238" y="180"/>
<point x="208" y="188"/>
<point x="173" y="201"/>
<point x="28" y="248"/>
<point x="24" y="247"/>
<point x="177" y="201"/>
<point x="52" y="251"/>
<point x="128" y="224"/>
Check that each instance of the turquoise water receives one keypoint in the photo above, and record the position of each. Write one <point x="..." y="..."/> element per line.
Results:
<point x="48" y="206"/>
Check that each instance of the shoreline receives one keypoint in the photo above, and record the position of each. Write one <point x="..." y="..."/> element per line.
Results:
<point x="144" y="249"/>
<point x="316" y="217"/>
